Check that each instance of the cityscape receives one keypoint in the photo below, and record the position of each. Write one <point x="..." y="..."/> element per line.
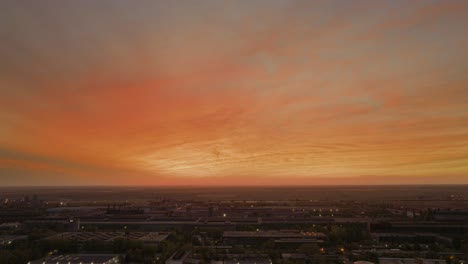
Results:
<point x="351" y="224"/>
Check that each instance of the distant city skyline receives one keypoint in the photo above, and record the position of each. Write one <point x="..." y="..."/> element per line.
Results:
<point x="233" y="92"/>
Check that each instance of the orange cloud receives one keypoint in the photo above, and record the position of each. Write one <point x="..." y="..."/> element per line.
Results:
<point x="235" y="94"/>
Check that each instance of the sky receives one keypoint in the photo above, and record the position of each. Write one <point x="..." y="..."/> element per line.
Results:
<point x="258" y="92"/>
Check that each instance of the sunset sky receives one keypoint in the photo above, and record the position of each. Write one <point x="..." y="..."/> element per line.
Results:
<point x="233" y="92"/>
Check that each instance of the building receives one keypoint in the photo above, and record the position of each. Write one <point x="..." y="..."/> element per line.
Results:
<point x="450" y="216"/>
<point x="9" y="239"/>
<point x="79" y="259"/>
<point x="409" y="237"/>
<point x="73" y="225"/>
<point x="363" y="262"/>
<point x="410" y="261"/>
<point x="10" y="226"/>
<point x="248" y="261"/>
<point x="272" y="234"/>
<point x="178" y="257"/>
<point x="145" y="237"/>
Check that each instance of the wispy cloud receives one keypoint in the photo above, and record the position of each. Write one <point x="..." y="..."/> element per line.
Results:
<point x="293" y="92"/>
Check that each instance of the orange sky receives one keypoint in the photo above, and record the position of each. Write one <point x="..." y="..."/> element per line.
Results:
<point x="233" y="92"/>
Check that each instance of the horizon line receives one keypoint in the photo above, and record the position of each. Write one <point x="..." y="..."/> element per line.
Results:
<point x="238" y="186"/>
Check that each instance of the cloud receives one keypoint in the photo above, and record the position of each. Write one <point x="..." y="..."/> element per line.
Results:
<point x="233" y="93"/>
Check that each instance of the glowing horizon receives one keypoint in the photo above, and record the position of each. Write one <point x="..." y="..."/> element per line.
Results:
<point x="233" y="93"/>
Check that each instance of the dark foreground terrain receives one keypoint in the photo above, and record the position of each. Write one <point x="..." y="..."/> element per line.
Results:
<point x="339" y="224"/>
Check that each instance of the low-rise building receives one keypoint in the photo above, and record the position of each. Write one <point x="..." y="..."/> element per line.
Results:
<point x="9" y="239"/>
<point x="145" y="237"/>
<point x="79" y="259"/>
<point x="410" y="261"/>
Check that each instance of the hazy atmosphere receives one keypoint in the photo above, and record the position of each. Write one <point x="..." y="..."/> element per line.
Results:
<point x="233" y="92"/>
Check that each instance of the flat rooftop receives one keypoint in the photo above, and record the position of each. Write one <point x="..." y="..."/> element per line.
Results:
<point x="272" y="234"/>
<point x="248" y="261"/>
<point x="153" y="237"/>
<point x="79" y="259"/>
<point x="8" y="239"/>
<point x="410" y="261"/>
